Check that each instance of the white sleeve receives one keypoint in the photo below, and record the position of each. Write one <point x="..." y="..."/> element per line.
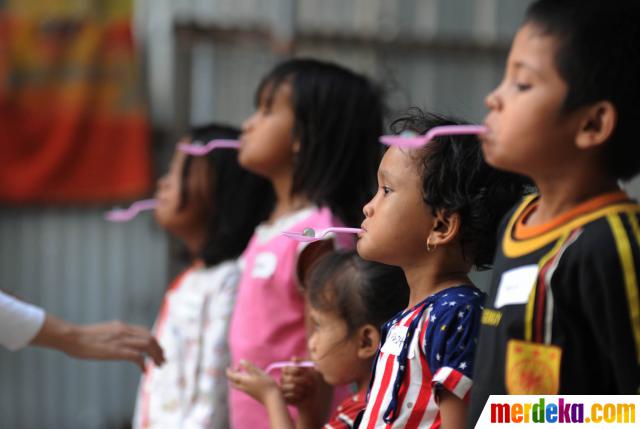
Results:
<point x="19" y="322"/>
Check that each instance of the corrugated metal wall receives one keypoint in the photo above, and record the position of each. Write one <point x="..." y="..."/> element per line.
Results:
<point x="438" y="54"/>
<point x="80" y="267"/>
<point x="441" y="54"/>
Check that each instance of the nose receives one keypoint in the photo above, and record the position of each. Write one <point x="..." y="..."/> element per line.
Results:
<point x="492" y="100"/>
<point x="248" y="123"/>
<point x="367" y="210"/>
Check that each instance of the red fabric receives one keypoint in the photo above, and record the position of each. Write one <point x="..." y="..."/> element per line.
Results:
<point x="346" y="413"/>
<point x="73" y="127"/>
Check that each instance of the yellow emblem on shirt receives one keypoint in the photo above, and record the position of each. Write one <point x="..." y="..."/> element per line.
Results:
<point x="491" y="317"/>
<point x="532" y="368"/>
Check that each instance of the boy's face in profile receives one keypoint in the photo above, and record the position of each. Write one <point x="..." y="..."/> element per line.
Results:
<point x="528" y="133"/>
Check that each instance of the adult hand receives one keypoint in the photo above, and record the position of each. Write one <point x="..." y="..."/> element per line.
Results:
<point x="113" y="340"/>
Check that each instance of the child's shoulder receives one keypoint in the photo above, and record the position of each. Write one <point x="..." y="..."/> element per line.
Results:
<point x="592" y="223"/>
<point x="457" y="302"/>
<point x="457" y="295"/>
<point x="610" y="241"/>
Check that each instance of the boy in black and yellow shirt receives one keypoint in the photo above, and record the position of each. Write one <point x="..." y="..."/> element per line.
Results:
<point x="563" y="312"/>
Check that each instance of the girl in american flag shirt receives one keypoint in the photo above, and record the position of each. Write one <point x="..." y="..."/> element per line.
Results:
<point x="435" y="215"/>
<point x="348" y="300"/>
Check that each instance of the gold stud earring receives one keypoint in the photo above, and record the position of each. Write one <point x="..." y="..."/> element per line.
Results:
<point x="429" y="247"/>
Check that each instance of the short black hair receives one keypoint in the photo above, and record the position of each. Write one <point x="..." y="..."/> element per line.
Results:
<point x="338" y="120"/>
<point x="598" y="56"/>
<point x="456" y="179"/>
<point x="360" y="292"/>
<point x="240" y="199"/>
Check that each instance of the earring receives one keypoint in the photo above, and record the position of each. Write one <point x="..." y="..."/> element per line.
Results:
<point x="429" y="247"/>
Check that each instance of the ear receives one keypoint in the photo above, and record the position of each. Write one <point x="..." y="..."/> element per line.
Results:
<point x="368" y="341"/>
<point x="295" y="148"/>
<point x="597" y="125"/>
<point x="445" y="229"/>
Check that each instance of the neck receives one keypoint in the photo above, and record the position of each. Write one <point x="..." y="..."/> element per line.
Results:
<point x="285" y="201"/>
<point x="363" y="382"/>
<point x="193" y="239"/>
<point x="436" y="271"/>
<point x="562" y="192"/>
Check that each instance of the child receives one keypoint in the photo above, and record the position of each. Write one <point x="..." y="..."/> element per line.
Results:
<point x="435" y="216"/>
<point x="349" y="299"/>
<point x="198" y="202"/>
<point x="563" y="309"/>
<point x="314" y="135"/>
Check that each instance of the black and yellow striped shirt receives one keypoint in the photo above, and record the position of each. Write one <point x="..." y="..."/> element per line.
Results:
<point x="563" y="311"/>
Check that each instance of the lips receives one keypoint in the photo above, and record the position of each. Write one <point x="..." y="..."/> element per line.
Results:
<point x="243" y="141"/>
<point x="486" y="137"/>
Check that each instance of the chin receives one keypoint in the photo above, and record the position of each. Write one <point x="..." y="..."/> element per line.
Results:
<point x="362" y="248"/>
<point x="369" y="254"/>
<point x="492" y="158"/>
<point x="160" y="219"/>
<point x="242" y="158"/>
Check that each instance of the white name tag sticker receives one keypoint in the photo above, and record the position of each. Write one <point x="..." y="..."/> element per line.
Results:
<point x="515" y="286"/>
<point x="264" y="265"/>
<point x="395" y="340"/>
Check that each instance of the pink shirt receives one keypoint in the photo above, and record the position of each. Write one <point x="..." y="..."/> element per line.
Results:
<point x="268" y="320"/>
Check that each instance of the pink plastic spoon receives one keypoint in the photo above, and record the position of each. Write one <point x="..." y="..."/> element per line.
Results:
<point x="124" y="215"/>
<point x="200" y="149"/>
<point x="309" y="235"/>
<point x="277" y="365"/>
<point x="411" y="140"/>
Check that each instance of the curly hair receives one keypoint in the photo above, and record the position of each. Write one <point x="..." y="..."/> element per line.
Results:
<point x="456" y="179"/>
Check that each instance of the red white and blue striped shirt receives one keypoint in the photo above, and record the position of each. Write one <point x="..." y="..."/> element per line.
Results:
<point x="424" y="349"/>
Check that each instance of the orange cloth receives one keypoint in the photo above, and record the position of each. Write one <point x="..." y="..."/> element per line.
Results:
<point x="73" y="127"/>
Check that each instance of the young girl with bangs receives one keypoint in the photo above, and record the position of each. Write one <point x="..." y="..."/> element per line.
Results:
<point x="198" y="202"/>
<point x="314" y="136"/>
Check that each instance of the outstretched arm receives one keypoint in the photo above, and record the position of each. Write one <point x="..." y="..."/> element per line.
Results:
<point x="105" y="341"/>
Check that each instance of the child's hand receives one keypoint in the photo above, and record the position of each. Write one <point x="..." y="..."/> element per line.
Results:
<point x="299" y="384"/>
<point x="253" y="381"/>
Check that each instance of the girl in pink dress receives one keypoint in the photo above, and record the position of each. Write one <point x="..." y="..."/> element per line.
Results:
<point x="314" y="135"/>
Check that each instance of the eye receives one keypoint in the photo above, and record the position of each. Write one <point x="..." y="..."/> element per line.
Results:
<point x="385" y="189"/>
<point x="523" y="86"/>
